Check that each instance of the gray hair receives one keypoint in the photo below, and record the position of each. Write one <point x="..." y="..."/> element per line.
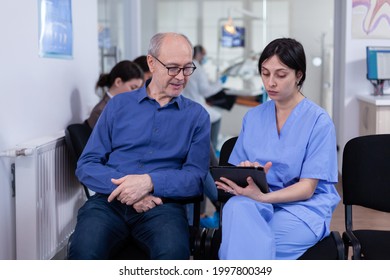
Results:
<point x="157" y="39"/>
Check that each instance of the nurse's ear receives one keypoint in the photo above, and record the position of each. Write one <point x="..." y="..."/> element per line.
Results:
<point x="298" y="78"/>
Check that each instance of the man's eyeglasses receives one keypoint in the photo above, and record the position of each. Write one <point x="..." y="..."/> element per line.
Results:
<point x="174" y="71"/>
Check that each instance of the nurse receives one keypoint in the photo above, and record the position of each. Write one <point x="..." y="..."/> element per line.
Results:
<point x="294" y="139"/>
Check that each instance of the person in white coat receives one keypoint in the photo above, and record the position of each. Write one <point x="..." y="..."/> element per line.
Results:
<point x="199" y="88"/>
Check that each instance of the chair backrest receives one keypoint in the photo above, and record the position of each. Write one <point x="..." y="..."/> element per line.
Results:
<point x="226" y="150"/>
<point x="76" y="137"/>
<point x="366" y="172"/>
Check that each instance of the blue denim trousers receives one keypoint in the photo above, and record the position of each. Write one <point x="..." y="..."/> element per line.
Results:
<point x="102" y="228"/>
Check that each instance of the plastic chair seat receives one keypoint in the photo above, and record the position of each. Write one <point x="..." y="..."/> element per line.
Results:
<point x="329" y="248"/>
<point x="374" y="244"/>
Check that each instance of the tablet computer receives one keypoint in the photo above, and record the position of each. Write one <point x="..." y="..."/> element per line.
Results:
<point x="238" y="174"/>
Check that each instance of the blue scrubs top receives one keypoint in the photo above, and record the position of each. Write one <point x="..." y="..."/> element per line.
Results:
<point x="305" y="148"/>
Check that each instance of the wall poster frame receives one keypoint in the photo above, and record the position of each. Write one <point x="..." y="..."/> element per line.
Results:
<point x="55" y="29"/>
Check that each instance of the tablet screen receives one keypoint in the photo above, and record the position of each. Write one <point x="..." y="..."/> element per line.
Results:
<point x="238" y="174"/>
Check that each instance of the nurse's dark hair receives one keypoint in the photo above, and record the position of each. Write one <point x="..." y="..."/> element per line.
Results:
<point x="290" y="52"/>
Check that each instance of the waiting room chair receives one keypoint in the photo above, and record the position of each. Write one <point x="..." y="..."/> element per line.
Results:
<point x="329" y="248"/>
<point x="366" y="183"/>
<point x="76" y="137"/>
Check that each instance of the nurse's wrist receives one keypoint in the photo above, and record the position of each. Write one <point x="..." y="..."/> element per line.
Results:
<point x="263" y="197"/>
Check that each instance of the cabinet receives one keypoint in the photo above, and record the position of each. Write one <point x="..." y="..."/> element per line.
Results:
<point x="374" y="114"/>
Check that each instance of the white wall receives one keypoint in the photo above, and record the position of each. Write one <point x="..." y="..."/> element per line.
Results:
<point x="350" y="74"/>
<point x="40" y="96"/>
<point x="309" y="20"/>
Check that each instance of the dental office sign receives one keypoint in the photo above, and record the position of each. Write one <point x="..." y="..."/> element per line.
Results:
<point x="55" y="28"/>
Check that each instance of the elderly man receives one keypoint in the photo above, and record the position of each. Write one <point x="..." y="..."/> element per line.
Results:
<point x="148" y="150"/>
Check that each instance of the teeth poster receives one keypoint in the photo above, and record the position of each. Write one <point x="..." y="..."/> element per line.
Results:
<point x="371" y="19"/>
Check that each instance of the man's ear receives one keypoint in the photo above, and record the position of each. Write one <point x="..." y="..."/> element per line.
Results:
<point x="151" y="63"/>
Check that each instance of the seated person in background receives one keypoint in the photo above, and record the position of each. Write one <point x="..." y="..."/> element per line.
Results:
<point x="199" y="88"/>
<point x="142" y="62"/>
<point x="295" y="140"/>
<point x="140" y="164"/>
<point x="124" y="76"/>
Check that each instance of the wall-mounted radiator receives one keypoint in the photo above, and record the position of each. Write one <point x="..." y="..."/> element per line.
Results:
<point x="48" y="196"/>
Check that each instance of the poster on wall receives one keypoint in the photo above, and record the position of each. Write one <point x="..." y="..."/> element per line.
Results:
<point x="370" y="19"/>
<point x="55" y="29"/>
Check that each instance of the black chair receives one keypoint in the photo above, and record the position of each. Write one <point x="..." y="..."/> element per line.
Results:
<point x="76" y="137"/>
<point x="329" y="248"/>
<point x="366" y="183"/>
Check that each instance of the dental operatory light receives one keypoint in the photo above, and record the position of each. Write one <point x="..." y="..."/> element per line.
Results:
<point x="229" y="26"/>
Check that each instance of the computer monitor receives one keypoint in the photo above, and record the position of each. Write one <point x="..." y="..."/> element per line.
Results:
<point x="232" y="40"/>
<point x="378" y="66"/>
<point x="378" y="63"/>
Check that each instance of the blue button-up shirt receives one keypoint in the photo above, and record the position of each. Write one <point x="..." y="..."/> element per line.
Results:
<point x="135" y="135"/>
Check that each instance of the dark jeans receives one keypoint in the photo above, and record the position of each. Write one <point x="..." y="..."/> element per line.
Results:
<point x="103" y="227"/>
